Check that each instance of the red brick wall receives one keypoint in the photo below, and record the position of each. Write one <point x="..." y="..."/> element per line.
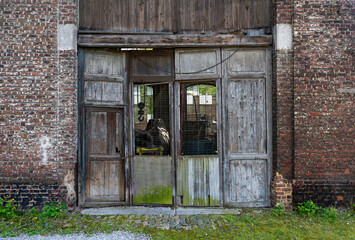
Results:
<point x="38" y="85"/>
<point x="313" y="103"/>
<point x="324" y="116"/>
<point x="283" y="98"/>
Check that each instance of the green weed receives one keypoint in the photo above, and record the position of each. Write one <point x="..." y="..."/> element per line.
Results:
<point x="53" y="211"/>
<point x="309" y="209"/>
<point x="8" y="209"/>
<point x="279" y="210"/>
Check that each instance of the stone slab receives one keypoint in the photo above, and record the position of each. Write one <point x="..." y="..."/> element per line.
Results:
<point x="128" y="210"/>
<point x="206" y="211"/>
<point x="157" y="211"/>
<point x="67" y="37"/>
<point x="283" y="36"/>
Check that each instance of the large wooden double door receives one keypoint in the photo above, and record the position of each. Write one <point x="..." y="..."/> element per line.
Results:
<point x="218" y="151"/>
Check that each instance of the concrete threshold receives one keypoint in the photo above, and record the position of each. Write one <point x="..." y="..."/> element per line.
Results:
<point x="158" y="211"/>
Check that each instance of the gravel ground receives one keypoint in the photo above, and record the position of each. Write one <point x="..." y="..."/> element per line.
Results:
<point x="118" y="235"/>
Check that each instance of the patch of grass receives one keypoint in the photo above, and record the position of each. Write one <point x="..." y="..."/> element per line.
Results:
<point x="251" y="224"/>
<point x="267" y="225"/>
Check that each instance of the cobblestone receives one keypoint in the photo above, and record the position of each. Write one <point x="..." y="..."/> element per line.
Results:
<point x="183" y="222"/>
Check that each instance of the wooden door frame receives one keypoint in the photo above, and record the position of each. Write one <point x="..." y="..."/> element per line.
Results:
<point x="150" y="79"/>
<point x="177" y="143"/>
<point x="268" y="111"/>
<point x="82" y="108"/>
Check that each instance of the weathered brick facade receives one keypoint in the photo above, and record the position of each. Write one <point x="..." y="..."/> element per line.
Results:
<point x="313" y="103"/>
<point x="314" y="135"/>
<point x="38" y="113"/>
<point x="324" y="120"/>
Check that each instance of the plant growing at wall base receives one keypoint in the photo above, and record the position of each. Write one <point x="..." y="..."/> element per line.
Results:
<point x="279" y="210"/>
<point x="7" y="209"/>
<point x="309" y="209"/>
<point x="53" y="211"/>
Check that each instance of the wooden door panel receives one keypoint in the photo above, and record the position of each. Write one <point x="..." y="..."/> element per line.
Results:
<point x="98" y="133"/>
<point x="246" y="116"/>
<point x="152" y="180"/>
<point x="246" y="61"/>
<point x="104" y="76"/>
<point x="247" y="134"/>
<point x="197" y="63"/>
<point x="248" y="181"/>
<point x="105" y="178"/>
<point x="198" y="181"/>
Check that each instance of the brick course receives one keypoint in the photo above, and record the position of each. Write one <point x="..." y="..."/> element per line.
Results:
<point x="334" y="193"/>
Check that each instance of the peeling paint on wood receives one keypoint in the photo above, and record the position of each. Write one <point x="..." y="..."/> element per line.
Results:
<point x="248" y="181"/>
<point x="198" y="180"/>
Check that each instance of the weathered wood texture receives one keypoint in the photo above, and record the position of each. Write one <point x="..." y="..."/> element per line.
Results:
<point x="104" y="76"/>
<point x="246" y="116"/>
<point x="176" y="16"/>
<point x="169" y="41"/>
<point x="148" y="65"/>
<point x="198" y="177"/>
<point x="247" y="133"/>
<point x="105" y="175"/>
<point x="249" y="177"/>
<point x="197" y="64"/>
<point x="152" y="180"/>
<point x="198" y="180"/>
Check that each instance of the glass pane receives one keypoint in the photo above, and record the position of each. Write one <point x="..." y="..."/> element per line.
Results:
<point x="198" y="119"/>
<point x="152" y="65"/>
<point x="151" y="119"/>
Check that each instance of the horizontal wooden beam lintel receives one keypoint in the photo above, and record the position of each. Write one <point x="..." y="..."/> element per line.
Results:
<point x="171" y="41"/>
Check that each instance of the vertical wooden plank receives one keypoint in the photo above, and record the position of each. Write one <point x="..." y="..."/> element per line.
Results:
<point x="98" y="131"/>
<point x="111" y="137"/>
<point x="246" y="105"/>
<point x="269" y="122"/>
<point x="198" y="180"/>
<point x="119" y="136"/>
<point x="116" y="12"/>
<point x="172" y="139"/>
<point x="224" y="127"/>
<point x="214" y="182"/>
<point x="220" y="146"/>
<point x="248" y="181"/>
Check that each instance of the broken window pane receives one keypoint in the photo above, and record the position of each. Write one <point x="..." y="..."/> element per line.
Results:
<point x="198" y="121"/>
<point x="151" y="119"/>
